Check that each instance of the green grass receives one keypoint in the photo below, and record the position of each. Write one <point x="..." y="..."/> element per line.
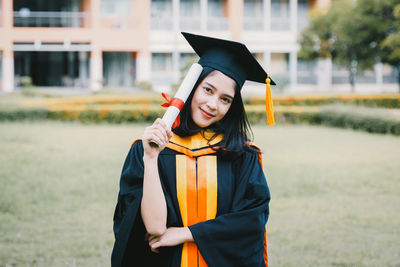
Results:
<point x="335" y="194"/>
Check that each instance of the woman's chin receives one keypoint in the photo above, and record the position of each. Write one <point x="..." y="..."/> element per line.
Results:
<point x="202" y="124"/>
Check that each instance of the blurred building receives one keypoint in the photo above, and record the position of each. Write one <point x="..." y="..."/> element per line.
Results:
<point x="116" y="43"/>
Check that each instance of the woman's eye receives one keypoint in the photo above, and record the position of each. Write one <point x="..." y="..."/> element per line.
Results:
<point x="208" y="90"/>
<point x="226" y="100"/>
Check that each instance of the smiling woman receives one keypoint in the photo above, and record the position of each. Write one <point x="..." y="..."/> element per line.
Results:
<point x="200" y="198"/>
<point x="216" y="104"/>
<point x="212" y="99"/>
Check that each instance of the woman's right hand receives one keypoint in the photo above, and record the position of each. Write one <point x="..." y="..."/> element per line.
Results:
<point x="159" y="133"/>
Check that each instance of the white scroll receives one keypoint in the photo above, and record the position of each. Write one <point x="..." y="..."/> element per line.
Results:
<point x="183" y="93"/>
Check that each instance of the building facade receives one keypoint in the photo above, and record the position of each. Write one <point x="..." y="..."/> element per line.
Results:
<point x="90" y="44"/>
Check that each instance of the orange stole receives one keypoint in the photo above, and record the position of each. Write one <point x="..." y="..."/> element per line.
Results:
<point x="197" y="196"/>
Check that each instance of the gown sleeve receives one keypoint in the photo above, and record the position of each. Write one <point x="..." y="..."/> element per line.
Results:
<point x="127" y="213"/>
<point x="130" y="247"/>
<point x="236" y="238"/>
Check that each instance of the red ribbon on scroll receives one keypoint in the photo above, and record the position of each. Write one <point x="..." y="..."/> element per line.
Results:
<point x="176" y="102"/>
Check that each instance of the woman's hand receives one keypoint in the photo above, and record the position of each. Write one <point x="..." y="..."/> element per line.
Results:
<point x="172" y="237"/>
<point x="159" y="133"/>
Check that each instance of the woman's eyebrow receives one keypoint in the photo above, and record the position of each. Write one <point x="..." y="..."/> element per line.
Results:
<point x="212" y="86"/>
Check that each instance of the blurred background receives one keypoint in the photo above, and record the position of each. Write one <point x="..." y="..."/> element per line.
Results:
<point x="92" y="44"/>
<point x="81" y="79"/>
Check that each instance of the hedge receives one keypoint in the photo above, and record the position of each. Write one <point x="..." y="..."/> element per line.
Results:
<point x="17" y="114"/>
<point x="370" y="120"/>
<point x="384" y="101"/>
<point x="361" y="119"/>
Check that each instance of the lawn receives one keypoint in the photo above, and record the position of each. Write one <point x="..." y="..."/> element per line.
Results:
<point x="335" y="194"/>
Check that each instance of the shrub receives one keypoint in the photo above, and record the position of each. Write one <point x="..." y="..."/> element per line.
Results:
<point x="17" y="114"/>
<point x="369" y="120"/>
<point x="385" y="101"/>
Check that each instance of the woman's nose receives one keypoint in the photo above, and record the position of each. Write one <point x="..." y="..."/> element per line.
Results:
<point x="212" y="103"/>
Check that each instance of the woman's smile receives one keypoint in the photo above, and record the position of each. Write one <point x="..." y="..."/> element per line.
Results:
<point x="206" y="114"/>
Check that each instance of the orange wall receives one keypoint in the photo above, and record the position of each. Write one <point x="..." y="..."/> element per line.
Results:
<point x="5" y="29"/>
<point x="235" y="11"/>
<point x="101" y="33"/>
<point x="134" y="35"/>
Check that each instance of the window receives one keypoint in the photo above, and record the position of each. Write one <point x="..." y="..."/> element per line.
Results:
<point x="161" y="8"/>
<point x="161" y="15"/>
<point x="302" y="8"/>
<point x="187" y="59"/>
<point x="189" y="8"/>
<point x="216" y="8"/>
<point x="279" y="8"/>
<point x="216" y="16"/>
<point x="161" y="62"/>
<point x="280" y="15"/>
<point x="253" y="8"/>
<point x="302" y="14"/>
<point x="306" y="71"/>
<point x="253" y="15"/>
<point x="189" y="15"/>
<point x="120" y="8"/>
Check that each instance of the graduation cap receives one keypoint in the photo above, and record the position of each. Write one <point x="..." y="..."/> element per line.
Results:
<point x="234" y="60"/>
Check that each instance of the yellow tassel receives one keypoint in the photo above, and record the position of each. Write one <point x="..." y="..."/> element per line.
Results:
<point x="269" y="106"/>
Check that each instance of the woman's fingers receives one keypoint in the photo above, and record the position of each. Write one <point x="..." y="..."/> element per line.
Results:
<point x="169" y="134"/>
<point x="155" y="135"/>
<point x="151" y="242"/>
<point x="159" y="133"/>
<point x="160" y="130"/>
<point x="154" y="243"/>
<point x="151" y="238"/>
<point x="167" y="130"/>
<point x="154" y="246"/>
<point x="164" y="126"/>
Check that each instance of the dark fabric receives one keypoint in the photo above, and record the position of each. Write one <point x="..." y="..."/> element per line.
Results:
<point x="130" y="248"/>
<point x="233" y="238"/>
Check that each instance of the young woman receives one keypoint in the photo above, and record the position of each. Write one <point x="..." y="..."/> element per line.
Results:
<point x="200" y="198"/>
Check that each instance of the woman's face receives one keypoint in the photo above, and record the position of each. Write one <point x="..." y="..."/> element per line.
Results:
<point x="212" y="99"/>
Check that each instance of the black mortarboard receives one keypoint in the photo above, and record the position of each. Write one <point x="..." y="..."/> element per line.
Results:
<point x="231" y="58"/>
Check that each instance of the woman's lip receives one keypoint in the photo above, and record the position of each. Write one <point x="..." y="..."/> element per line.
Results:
<point x="206" y="114"/>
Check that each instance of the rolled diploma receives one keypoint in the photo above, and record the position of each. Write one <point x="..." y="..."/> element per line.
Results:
<point x="183" y="93"/>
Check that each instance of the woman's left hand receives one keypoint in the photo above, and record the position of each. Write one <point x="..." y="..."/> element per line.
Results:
<point x="172" y="237"/>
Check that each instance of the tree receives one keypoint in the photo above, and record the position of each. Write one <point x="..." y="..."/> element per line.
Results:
<point x="351" y="34"/>
<point x="328" y="37"/>
<point x="318" y="38"/>
<point x="360" y="32"/>
<point x="391" y="44"/>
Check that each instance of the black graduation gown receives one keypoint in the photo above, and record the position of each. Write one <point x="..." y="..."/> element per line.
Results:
<point x="237" y="235"/>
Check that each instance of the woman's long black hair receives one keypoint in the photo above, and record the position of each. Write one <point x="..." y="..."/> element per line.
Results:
<point x="234" y="125"/>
